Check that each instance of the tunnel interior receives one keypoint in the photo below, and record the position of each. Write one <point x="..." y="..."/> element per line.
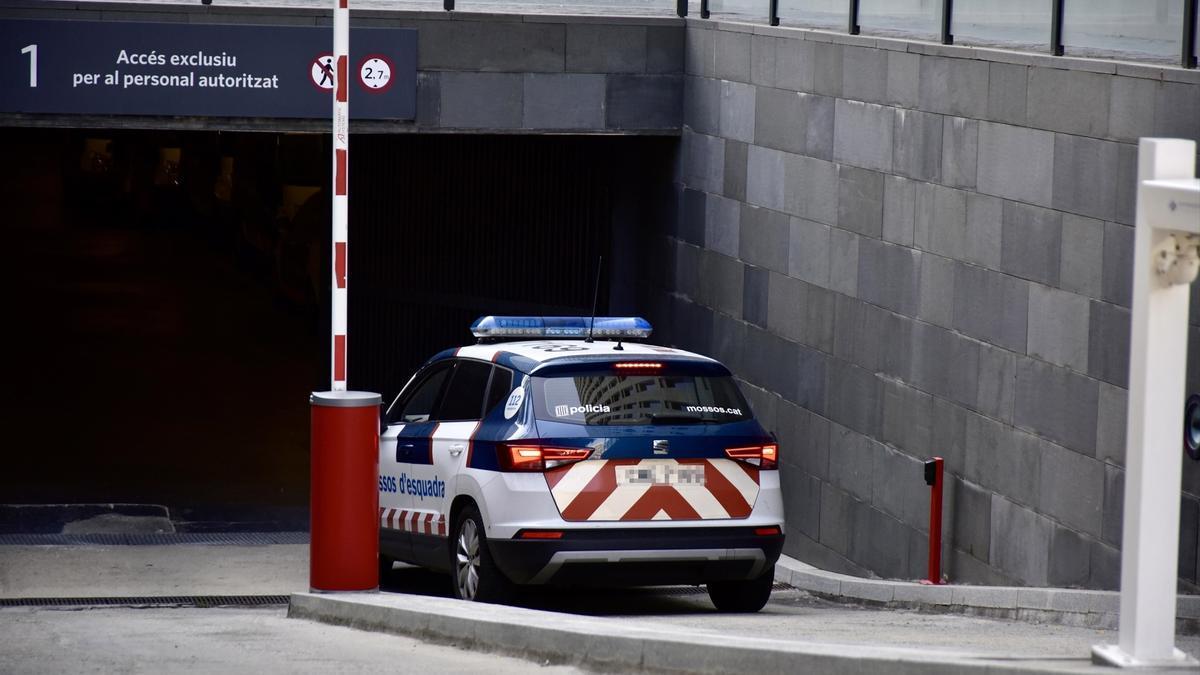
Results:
<point x="168" y="291"/>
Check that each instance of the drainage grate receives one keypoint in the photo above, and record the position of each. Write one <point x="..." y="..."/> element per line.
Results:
<point x="200" y="601"/>
<point x="166" y="539"/>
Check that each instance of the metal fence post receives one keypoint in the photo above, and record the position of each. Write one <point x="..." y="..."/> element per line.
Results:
<point x="773" y="12"/>
<point x="704" y="9"/>
<point x="852" y="27"/>
<point x="1056" y="27"/>
<point x="1189" y="33"/>
<point x="681" y="7"/>
<point x="947" y="15"/>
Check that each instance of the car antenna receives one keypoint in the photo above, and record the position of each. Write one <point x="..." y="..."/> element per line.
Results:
<point x="595" y="299"/>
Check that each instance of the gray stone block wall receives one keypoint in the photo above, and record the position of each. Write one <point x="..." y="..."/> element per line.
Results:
<point x="911" y="250"/>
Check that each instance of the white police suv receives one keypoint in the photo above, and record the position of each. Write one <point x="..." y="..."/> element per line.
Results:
<point x="539" y="456"/>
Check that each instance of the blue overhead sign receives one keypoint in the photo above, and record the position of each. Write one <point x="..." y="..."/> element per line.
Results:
<point x="207" y="70"/>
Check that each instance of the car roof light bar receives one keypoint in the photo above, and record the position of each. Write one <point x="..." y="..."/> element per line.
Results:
<point x="560" y="327"/>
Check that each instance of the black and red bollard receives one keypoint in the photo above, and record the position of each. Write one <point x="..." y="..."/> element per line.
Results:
<point x="344" y="544"/>
<point x="933" y="478"/>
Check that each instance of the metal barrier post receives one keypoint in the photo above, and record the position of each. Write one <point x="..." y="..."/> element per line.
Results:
<point x="947" y="14"/>
<point x="1056" y="27"/>
<point x="773" y="12"/>
<point x="933" y="478"/>
<point x="1189" y="33"/>
<point x="852" y="27"/>
<point x="704" y="9"/>
<point x="680" y="7"/>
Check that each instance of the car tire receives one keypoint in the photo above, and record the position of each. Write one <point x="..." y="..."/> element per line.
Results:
<point x="742" y="597"/>
<point x="473" y="573"/>
<point x="385" y="567"/>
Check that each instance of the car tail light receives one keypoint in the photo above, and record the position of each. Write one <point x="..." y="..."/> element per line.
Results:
<point x="768" y="531"/>
<point x="642" y="366"/>
<point x="540" y="534"/>
<point x="762" y="456"/>
<point x="522" y="457"/>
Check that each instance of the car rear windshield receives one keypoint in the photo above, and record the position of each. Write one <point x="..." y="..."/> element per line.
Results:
<point x="639" y="399"/>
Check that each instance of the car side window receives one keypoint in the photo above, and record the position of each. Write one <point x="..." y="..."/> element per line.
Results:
<point x="419" y="406"/>
<point x="498" y="390"/>
<point x="464" y="397"/>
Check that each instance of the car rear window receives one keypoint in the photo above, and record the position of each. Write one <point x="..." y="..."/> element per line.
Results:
<point x="639" y="399"/>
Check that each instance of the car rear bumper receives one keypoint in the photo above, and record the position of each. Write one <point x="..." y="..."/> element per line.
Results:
<point x="638" y="557"/>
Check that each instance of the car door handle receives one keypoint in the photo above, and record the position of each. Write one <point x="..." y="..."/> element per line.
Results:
<point x="457" y="449"/>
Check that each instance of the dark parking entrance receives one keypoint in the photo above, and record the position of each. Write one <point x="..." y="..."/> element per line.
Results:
<point x="167" y="302"/>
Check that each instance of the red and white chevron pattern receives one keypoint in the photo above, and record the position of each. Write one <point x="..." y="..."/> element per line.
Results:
<point x="417" y="522"/>
<point x="600" y="490"/>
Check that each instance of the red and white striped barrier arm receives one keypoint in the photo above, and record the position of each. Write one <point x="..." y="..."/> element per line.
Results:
<point x="341" y="168"/>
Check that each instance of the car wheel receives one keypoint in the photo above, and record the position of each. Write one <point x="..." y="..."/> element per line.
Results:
<point x="742" y="596"/>
<point x="474" y="575"/>
<point x="385" y="566"/>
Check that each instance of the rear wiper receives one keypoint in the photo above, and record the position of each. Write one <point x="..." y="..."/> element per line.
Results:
<point x="675" y="418"/>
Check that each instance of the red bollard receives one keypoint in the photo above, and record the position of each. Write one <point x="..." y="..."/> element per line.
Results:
<point x="933" y="478"/>
<point x="344" y="544"/>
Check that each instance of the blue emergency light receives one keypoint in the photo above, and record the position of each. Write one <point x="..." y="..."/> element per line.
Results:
<point x="560" y="327"/>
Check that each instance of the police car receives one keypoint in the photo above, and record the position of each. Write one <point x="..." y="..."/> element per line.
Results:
<point x="539" y="456"/>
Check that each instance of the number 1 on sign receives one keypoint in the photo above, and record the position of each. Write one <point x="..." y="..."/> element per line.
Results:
<point x="31" y="50"/>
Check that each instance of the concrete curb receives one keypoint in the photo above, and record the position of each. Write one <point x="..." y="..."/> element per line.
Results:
<point x="1067" y="606"/>
<point x="620" y="644"/>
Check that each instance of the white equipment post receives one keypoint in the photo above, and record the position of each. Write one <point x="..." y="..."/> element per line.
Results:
<point x="1165" y="263"/>
<point x="341" y="168"/>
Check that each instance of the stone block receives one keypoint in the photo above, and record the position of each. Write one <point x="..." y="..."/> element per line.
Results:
<point x="1032" y="242"/>
<point x="692" y="223"/>
<point x="664" y="49"/>
<point x="958" y="224"/>
<point x="945" y="364"/>
<point x="811" y="188"/>
<point x="1189" y="518"/>
<point x="819" y="113"/>
<point x="762" y="60"/>
<point x="1003" y="459"/>
<point x="837" y="511"/>
<point x="984" y="597"/>
<point x="954" y="86"/>
<point x="1104" y="567"/>
<point x="1020" y="544"/>
<point x="1058" y="404"/>
<point x="817" y="326"/>
<point x="903" y="78"/>
<point x="899" y="210"/>
<point x="808" y="255"/>
<point x="1070" y="101"/>
<point x="492" y="46"/>
<point x="1016" y="163"/>
<point x="780" y="121"/>
<point x="699" y="52"/>
<point x="997" y="383"/>
<point x="907" y="418"/>
<point x="1082" y="256"/>
<point x="860" y="201"/>
<point x="786" y="301"/>
<point x="1085" y="176"/>
<point x="937" y="290"/>
<point x="1007" y="88"/>
<point x="703" y="162"/>
<point x="564" y="101"/>
<point x="1058" y="327"/>
<point x="1175" y="108"/>
<point x="1070" y="488"/>
<point x="1110" y="424"/>
<point x="794" y="65"/>
<point x="843" y="262"/>
<point x="802" y="501"/>
<point x="863" y="135"/>
<point x="600" y="48"/>
<point x="950" y="434"/>
<point x="827" y="69"/>
<point x="854" y="397"/>
<point x="899" y="489"/>
<point x="810" y="378"/>
<point x="771" y="361"/>
<point x="644" y="101"/>
<point x="1126" y="183"/>
<point x="852" y="458"/>
<point x="721" y="225"/>
<point x="883" y="343"/>
<point x="764" y="238"/>
<point x="1131" y="108"/>
<point x="702" y="104"/>
<point x="765" y="177"/>
<point x="889" y="276"/>
<point x="920" y="594"/>
<point x="687" y="269"/>
<point x="754" y="295"/>
<point x="732" y="56"/>
<point x="864" y="74"/>
<point x="734" y="177"/>
<point x="1070" y="558"/>
<point x="481" y="100"/>
<point x="1108" y="344"/>
<point x="1112" y="512"/>
<point x="1117" y="282"/>
<point x="728" y="338"/>
<point x="917" y="145"/>
<point x="991" y="306"/>
<point x="972" y="518"/>
<point x="429" y="99"/>
<point x="720" y="282"/>
<point x="737" y="111"/>
<point x="812" y="433"/>
<point x="960" y="151"/>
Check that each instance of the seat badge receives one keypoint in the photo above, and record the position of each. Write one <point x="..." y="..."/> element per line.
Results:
<point x="661" y="447"/>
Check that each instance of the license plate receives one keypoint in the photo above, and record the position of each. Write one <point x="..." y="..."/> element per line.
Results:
<point x="661" y="474"/>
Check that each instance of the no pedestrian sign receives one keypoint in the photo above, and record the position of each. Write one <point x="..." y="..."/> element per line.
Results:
<point x="127" y="68"/>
